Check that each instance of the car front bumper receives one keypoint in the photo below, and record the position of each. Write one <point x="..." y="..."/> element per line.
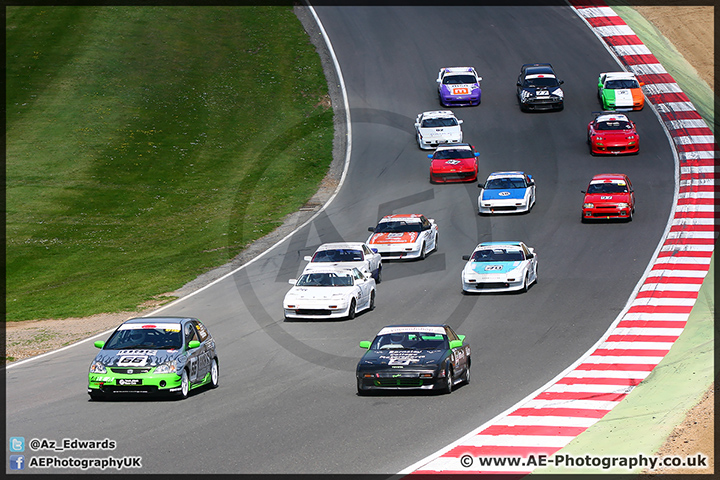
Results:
<point x="401" y="380"/>
<point x="493" y="285"/>
<point x="503" y="207"/>
<point x="604" y="213"/>
<point x="460" y="100"/>
<point x="147" y="383"/>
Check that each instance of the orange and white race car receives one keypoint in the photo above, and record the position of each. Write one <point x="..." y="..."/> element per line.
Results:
<point x="404" y="236"/>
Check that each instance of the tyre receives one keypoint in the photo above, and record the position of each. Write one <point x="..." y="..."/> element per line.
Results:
<point x="360" y="391"/>
<point x="466" y="375"/>
<point x="97" y="396"/>
<point x="351" y="310"/>
<point x="448" y="387"/>
<point x="630" y="216"/>
<point x="423" y="254"/>
<point x="378" y="279"/>
<point x="372" y="301"/>
<point x="184" y="385"/>
<point x="526" y="282"/>
<point x="437" y="239"/>
<point x="214" y="374"/>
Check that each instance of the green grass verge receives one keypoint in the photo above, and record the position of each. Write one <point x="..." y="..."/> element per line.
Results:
<point x="146" y="145"/>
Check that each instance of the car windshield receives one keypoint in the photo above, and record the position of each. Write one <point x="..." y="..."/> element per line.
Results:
<point x="619" y="84"/>
<point x="541" y="82"/>
<point x="439" y="122"/>
<point x="397" y="227"/>
<point x="324" y="280"/>
<point x="607" y="188"/>
<point x="447" y="153"/>
<point x="614" y="125"/>
<point x="498" y="255"/>
<point x="167" y="338"/>
<point x="410" y="341"/>
<point x="458" y="79"/>
<point x="338" y="255"/>
<point x="505" y="183"/>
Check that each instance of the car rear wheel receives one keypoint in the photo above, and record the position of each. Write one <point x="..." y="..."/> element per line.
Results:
<point x="448" y="381"/>
<point x="184" y="385"/>
<point x="351" y="310"/>
<point x="214" y="374"/>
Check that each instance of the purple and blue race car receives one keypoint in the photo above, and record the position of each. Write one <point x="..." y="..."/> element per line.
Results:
<point x="458" y="86"/>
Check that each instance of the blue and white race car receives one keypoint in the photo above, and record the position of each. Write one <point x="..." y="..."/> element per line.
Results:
<point x="459" y="86"/>
<point x="507" y="192"/>
<point x="499" y="267"/>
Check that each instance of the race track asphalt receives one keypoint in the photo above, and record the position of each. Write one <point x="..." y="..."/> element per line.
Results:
<point x="287" y="401"/>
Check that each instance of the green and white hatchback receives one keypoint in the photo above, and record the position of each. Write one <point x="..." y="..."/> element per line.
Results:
<point x="154" y="355"/>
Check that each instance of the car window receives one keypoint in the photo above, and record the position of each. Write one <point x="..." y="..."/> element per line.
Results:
<point x="190" y="333"/>
<point x="505" y="183"/>
<point x="201" y="330"/>
<point x="614" y="125"/>
<point x="397" y="227"/>
<point x="497" y="255"/>
<point x="447" y="153"/>
<point x="607" y="188"/>
<point x="164" y="338"/>
<point x="458" y="79"/>
<point x="410" y="341"/>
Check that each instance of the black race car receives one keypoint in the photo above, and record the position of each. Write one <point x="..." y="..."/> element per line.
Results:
<point x="404" y="357"/>
<point x="538" y="88"/>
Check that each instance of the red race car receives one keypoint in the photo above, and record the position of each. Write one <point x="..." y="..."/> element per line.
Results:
<point x="609" y="195"/>
<point x="455" y="162"/>
<point x="612" y="133"/>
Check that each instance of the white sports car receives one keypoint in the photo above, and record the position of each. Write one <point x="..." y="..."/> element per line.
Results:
<point x="436" y="128"/>
<point x="330" y="293"/>
<point x="507" y="192"/>
<point x="346" y="255"/>
<point x="499" y="267"/>
<point x="404" y="236"/>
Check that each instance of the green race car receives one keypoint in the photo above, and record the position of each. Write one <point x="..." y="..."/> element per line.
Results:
<point x="154" y="355"/>
<point x="620" y="90"/>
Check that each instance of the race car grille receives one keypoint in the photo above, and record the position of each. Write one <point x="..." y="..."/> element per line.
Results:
<point x="130" y="389"/>
<point x="312" y="311"/>
<point x="480" y="286"/>
<point x="392" y="254"/>
<point x="503" y="208"/>
<point x="130" y="371"/>
<point x="398" y="382"/>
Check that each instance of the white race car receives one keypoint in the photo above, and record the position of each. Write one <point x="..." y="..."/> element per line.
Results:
<point x="507" y="192"/>
<point x="404" y="236"/>
<point x="329" y="293"/>
<point x="436" y="128"/>
<point x="346" y="255"/>
<point x="499" y="267"/>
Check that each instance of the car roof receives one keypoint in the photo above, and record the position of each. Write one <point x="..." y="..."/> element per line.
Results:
<point x="458" y="69"/>
<point x="336" y="245"/>
<point x="609" y="177"/>
<point x="418" y="327"/>
<point x="411" y="217"/>
<point x="158" y="320"/>
<point x="609" y="117"/>
<point x="438" y="113"/>
<point x="506" y="174"/>
<point x="620" y="76"/>
<point x="538" y="68"/>
<point x="499" y="244"/>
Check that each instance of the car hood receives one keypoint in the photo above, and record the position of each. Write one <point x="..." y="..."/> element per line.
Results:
<point x="607" y="198"/>
<point x="488" y="268"/>
<point x="316" y="293"/>
<point x="392" y="238"/>
<point x="439" y="131"/>
<point x="614" y="134"/>
<point x="459" y="89"/>
<point x="532" y="91"/>
<point x="402" y="357"/>
<point x="504" y="194"/>
<point x="137" y="357"/>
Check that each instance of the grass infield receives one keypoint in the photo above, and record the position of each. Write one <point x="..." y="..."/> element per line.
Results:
<point x="147" y="145"/>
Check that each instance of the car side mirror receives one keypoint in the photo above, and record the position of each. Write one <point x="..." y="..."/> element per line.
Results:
<point x="479" y="79"/>
<point x="193" y="344"/>
<point x="374" y="250"/>
<point x="455" y="343"/>
<point x="582" y="191"/>
<point x="530" y="255"/>
<point x="430" y="155"/>
<point x="642" y="84"/>
<point x="437" y="80"/>
<point x="365" y="344"/>
<point x="466" y="257"/>
<point x="417" y="124"/>
<point x="480" y="185"/>
<point x="292" y="281"/>
<point x="307" y="258"/>
<point x="371" y="229"/>
<point x="561" y="82"/>
<point x="518" y="84"/>
<point x="100" y="344"/>
<point x="460" y="122"/>
<point x="461" y="337"/>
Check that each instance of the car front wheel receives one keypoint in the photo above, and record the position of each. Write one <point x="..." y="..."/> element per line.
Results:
<point x="215" y="374"/>
<point x="351" y="310"/>
<point x="184" y="385"/>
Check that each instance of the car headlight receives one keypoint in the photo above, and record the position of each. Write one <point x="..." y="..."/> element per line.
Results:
<point x="168" y="367"/>
<point x="598" y="138"/>
<point x="622" y="205"/>
<point x="97" y="367"/>
<point x="631" y="137"/>
<point x="588" y="205"/>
